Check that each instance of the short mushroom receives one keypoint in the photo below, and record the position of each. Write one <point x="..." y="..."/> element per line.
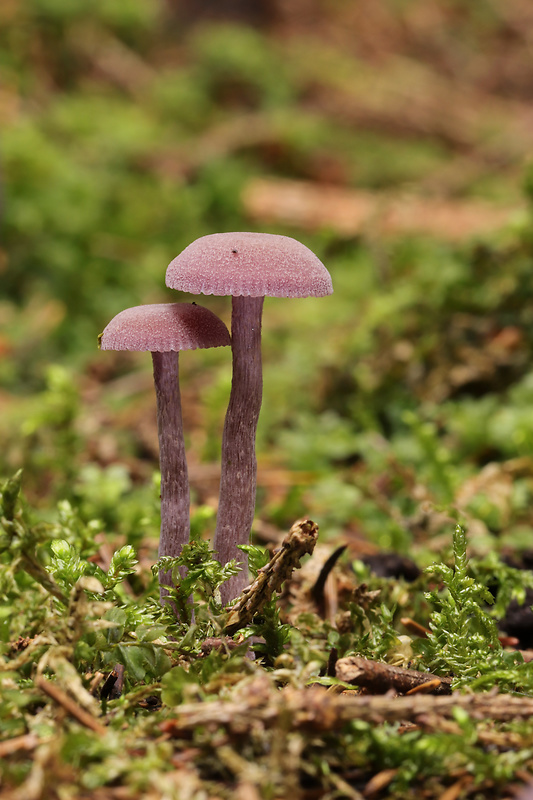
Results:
<point x="164" y="329"/>
<point x="248" y="266"/>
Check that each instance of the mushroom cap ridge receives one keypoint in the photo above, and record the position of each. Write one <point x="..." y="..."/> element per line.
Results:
<point x="251" y="264"/>
<point x="164" y="327"/>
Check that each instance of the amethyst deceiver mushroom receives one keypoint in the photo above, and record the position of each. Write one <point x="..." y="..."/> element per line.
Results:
<point x="248" y="266"/>
<point x="164" y="329"/>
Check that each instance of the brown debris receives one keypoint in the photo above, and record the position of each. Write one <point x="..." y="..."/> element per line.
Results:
<point x="20" y="644"/>
<point x="379" y="781"/>
<point x="114" y="684"/>
<point x="415" y="627"/>
<point x="456" y="789"/>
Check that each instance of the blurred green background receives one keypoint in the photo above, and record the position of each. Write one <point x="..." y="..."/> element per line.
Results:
<point x="393" y="139"/>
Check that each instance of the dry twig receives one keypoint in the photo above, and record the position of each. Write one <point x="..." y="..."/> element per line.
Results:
<point x="301" y="540"/>
<point x="317" y="590"/>
<point x="317" y="710"/>
<point x="72" y="708"/>
<point x="27" y="741"/>
<point x="380" y="677"/>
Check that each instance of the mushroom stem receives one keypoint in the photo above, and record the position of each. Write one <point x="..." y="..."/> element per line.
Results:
<point x="175" y="503"/>
<point x="238" y="464"/>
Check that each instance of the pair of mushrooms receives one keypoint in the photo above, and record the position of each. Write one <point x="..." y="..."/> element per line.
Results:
<point x="248" y="266"/>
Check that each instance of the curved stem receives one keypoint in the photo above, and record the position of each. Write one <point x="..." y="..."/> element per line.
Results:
<point x="239" y="466"/>
<point x="175" y="503"/>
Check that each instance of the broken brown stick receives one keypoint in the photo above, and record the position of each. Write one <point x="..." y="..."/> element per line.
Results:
<point x="380" y="677"/>
<point x="300" y="540"/>
<point x="71" y="707"/>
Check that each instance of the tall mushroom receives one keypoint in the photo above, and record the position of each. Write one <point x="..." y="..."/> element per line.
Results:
<point x="164" y="329"/>
<point x="248" y="266"/>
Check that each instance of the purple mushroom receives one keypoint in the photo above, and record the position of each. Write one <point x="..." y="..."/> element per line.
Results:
<point x="248" y="266"/>
<point x="165" y="329"/>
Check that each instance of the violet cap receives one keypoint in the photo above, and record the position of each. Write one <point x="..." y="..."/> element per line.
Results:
<point x="164" y="327"/>
<point x="251" y="264"/>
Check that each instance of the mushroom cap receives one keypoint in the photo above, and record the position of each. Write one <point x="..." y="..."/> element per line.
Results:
<point x="251" y="264"/>
<point x="163" y="327"/>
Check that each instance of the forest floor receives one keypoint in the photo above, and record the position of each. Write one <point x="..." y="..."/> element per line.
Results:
<point x="385" y="647"/>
